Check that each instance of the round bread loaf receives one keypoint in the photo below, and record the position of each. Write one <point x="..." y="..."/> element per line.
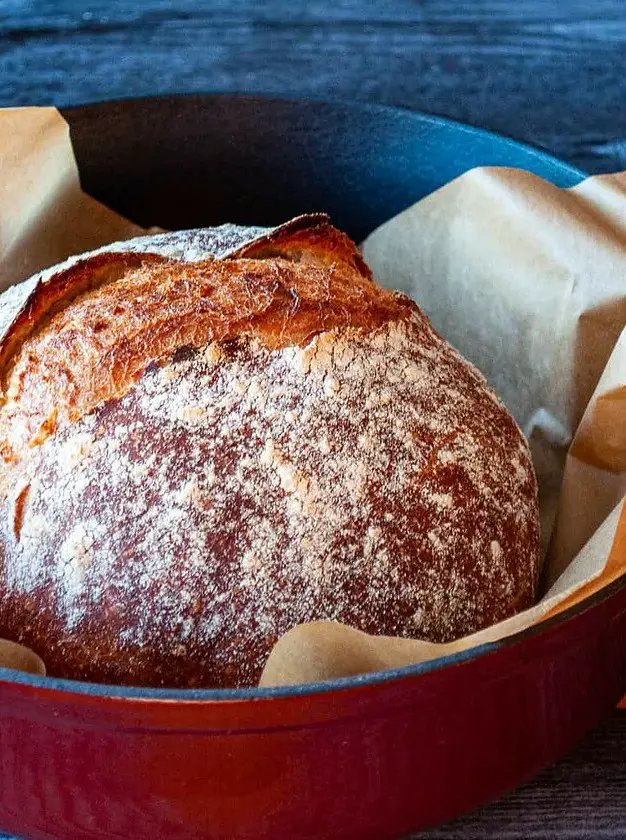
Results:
<point x="206" y="444"/>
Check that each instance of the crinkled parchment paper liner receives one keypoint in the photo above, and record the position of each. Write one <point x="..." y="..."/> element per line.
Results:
<point x="527" y="280"/>
<point x="44" y="215"/>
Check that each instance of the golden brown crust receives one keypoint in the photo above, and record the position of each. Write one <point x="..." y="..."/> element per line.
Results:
<point x="298" y="445"/>
<point x="307" y="239"/>
<point x="87" y="334"/>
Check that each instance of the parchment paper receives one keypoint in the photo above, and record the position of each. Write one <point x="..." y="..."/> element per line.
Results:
<point x="527" y="280"/>
<point x="44" y="215"/>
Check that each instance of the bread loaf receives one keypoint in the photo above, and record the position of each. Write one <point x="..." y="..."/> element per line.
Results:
<point x="198" y="455"/>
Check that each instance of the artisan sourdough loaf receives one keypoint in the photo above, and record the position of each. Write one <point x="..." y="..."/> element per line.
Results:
<point x="203" y="446"/>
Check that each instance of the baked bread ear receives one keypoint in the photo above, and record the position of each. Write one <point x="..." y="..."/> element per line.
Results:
<point x="198" y="455"/>
<point x="83" y="337"/>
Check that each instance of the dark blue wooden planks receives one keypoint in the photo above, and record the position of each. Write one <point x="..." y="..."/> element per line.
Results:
<point x="548" y="72"/>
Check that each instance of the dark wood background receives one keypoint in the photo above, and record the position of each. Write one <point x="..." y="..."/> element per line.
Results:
<point x="550" y="72"/>
<point x="547" y="71"/>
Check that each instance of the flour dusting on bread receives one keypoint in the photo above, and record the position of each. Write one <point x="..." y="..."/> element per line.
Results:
<point x="319" y="452"/>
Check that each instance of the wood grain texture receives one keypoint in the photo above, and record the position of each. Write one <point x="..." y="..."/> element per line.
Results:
<point x="550" y="72"/>
<point x="545" y="71"/>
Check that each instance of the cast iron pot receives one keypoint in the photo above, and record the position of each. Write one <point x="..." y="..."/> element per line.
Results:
<point x="367" y="758"/>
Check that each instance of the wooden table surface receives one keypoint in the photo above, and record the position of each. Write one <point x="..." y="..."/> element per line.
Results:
<point x="550" y="72"/>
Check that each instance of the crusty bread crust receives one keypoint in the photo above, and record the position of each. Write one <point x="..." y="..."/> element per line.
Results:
<point x="201" y="453"/>
<point x="85" y="336"/>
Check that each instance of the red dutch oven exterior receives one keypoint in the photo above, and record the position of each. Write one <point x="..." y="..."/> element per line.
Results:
<point x="367" y="758"/>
